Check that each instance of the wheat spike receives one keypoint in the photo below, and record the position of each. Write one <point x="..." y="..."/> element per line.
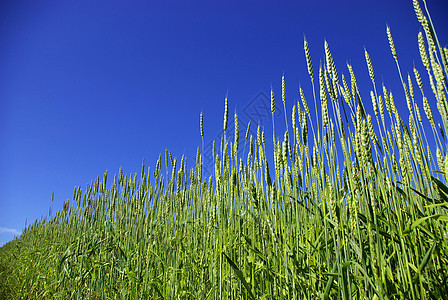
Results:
<point x="423" y="53"/>
<point x="375" y="107"/>
<point x="419" y="13"/>
<point x="308" y="59"/>
<point x="247" y="131"/>
<point x="226" y="113"/>
<point x="323" y="97"/>
<point x="304" y="103"/>
<point x="237" y="136"/>
<point x="352" y="79"/>
<point x="283" y="90"/>
<point x="305" y="130"/>
<point x="386" y="99"/>
<point x="202" y="126"/>
<point x="294" y="117"/>
<point x="328" y="58"/>
<point x="418" y="78"/>
<point x="381" y="106"/>
<point x="411" y="87"/>
<point x="369" y="65"/>
<point x="346" y="91"/>
<point x="391" y="42"/>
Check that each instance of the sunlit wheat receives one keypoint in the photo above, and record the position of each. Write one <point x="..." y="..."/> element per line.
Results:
<point x="355" y="210"/>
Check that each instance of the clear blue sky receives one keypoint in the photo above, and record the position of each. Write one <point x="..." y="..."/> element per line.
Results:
<point x="90" y="86"/>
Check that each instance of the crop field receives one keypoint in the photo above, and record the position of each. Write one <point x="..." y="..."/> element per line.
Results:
<point x="353" y="208"/>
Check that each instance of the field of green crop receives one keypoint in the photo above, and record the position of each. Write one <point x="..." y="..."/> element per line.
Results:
<point x="353" y="208"/>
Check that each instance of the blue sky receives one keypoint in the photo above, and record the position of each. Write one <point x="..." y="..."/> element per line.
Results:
<point x="90" y="86"/>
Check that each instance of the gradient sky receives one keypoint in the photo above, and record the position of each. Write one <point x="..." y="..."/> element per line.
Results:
<point x="90" y="86"/>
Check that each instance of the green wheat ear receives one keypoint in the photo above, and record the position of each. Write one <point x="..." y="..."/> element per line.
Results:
<point x="237" y="136"/>
<point x="423" y="53"/>
<point x="331" y="67"/>
<point x="226" y="113"/>
<point x="202" y="125"/>
<point x="308" y="58"/>
<point x="391" y="42"/>
<point x="428" y="112"/>
<point x="283" y="90"/>
<point x="369" y="65"/>
<point x="323" y="98"/>
<point x="418" y="12"/>
<point x="247" y="131"/>
<point x="304" y="103"/>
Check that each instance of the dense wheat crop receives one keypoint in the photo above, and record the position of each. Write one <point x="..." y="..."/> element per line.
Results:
<point x="353" y="207"/>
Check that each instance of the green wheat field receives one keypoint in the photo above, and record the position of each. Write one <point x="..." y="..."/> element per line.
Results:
<point x="353" y="208"/>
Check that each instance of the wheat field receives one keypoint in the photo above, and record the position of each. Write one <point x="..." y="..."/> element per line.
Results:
<point x="354" y="206"/>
